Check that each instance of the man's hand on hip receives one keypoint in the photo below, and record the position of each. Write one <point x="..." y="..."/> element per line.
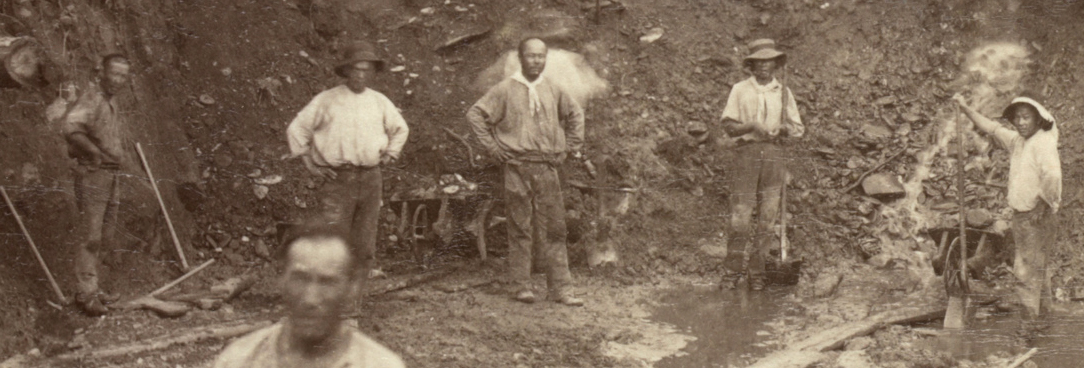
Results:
<point x="386" y="159"/>
<point x="502" y="156"/>
<point x="324" y="172"/>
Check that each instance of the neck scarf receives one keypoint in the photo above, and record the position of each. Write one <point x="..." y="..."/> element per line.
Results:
<point x="764" y="109"/>
<point x="535" y="102"/>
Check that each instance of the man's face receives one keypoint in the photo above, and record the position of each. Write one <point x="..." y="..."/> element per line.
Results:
<point x="115" y="76"/>
<point x="1026" y="120"/>
<point x="763" y="69"/>
<point x="317" y="287"/>
<point x="533" y="58"/>
<point x="357" y="76"/>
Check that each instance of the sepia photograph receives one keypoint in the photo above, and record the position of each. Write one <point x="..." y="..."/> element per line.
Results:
<point x="541" y="183"/>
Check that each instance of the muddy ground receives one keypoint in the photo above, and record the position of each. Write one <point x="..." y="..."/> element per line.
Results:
<point x="218" y="81"/>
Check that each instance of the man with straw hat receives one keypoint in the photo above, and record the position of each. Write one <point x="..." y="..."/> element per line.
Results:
<point x="1034" y="192"/>
<point x="758" y="113"/>
<point x="343" y="135"/>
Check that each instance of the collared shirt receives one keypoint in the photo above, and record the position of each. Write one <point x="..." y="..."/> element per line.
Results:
<point x="762" y="105"/>
<point x="1034" y="168"/>
<point x="261" y="349"/>
<point x="340" y="127"/>
<point x="502" y="120"/>
<point x="97" y="116"/>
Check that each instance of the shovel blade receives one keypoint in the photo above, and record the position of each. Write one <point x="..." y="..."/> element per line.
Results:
<point x="956" y="313"/>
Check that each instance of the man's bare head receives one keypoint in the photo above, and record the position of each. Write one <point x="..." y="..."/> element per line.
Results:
<point x="318" y="281"/>
<point x="115" y="73"/>
<point x="532" y="57"/>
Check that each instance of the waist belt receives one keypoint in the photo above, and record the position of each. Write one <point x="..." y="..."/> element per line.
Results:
<point x="349" y="167"/>
<point x="541" y="158"/>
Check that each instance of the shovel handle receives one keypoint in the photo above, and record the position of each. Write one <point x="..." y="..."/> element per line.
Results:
<point x="33" y="247"/>
<point x="165" y="212"/>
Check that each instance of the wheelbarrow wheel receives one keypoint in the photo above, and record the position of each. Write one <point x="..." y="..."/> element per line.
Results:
<point x="419" y="231"/>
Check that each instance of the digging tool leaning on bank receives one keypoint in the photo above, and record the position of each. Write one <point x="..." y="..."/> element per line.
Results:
<point x="1034" y="192"/>
<point x="758" y="114"/>
<point x="529" y="124"/>
<point x="343" y="135"/>
<point x="97" y="137"/>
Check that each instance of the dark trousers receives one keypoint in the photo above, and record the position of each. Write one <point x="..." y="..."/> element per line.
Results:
<point x="350" y="207"/>
<point x="1034" y="233"/>
<point x="756" y="185"/>
<point x="536" y="225"/>
<point x="97" y="195"/>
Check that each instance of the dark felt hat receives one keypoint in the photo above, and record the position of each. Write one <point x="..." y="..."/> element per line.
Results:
<point x="357" y="52"/>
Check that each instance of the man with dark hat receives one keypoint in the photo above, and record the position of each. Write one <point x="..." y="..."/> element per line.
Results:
<point x="343" y="135"/>
<point x="1034" y="192"/>
<point x="759" y="112"/>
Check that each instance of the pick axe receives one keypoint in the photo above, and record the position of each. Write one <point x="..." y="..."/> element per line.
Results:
<point x="956" y="280"/>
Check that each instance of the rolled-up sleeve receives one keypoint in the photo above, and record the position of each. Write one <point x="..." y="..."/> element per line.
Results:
<point x="396" y="128"/>
<point x="299" y="133"/>
<point x="80" y="114"/>
<point x="1049" y="175"/>
<point x="572" y="114"/>
<point x="483" y="114"/>
<point x="793" y="121"/>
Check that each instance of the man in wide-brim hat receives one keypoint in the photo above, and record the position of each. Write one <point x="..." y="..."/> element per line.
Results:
<point x="344" y="135"/>
<point x="758" y="113"/>
<point x="1034" y="192"/>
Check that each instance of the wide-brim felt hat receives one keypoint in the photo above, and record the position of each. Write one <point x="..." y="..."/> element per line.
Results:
<point x="764" y="49"/>
<point x="358" y="52"/>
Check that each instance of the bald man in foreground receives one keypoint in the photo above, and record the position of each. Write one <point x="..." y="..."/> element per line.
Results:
<point x="319" y="281"/>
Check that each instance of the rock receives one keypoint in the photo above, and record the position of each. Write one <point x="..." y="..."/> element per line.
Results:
<point x="223" y="160"/>
<point x="428" y="11"/>
<point x="979" y="217"/>
<point x="652" y="35"/>
<point x="910" y="118"/>
<point x="209" y="304"/>
<point x="397" y="68"/>
<point x="206" y="100"/>
<point x="876" y="131"/>
<point x="883" y="184"/>
<point x="854" y="359"/>
<point x="262" y="250"/>
<point x="463" y="39"/>
<point x="886" y="100"/>
<point x="269" y="180"/>
<point x="859" y="343"/>
<point x="260" y="191"/>
<point x="826" y="284"/>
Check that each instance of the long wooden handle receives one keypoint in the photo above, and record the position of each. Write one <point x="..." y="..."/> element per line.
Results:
<point x="783" y="223"/>
<point x="182" y="278"/>
<point x="154" y="184"/>
<point x="34" y="247"/>
<point x="961" y="182"/>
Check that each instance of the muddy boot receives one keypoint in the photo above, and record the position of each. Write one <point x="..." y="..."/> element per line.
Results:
<point x="526" y="296"/>
<point x="730" y="280"/>
<point x="91" y="304"/>
<point x="569" y="300"/>
<point x="756" y="283"/>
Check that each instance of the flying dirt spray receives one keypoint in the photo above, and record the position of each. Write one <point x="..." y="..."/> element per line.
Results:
<point x="992" y="74"/>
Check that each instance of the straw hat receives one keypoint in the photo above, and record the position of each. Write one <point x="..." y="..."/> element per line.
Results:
<point x="357" y="52"/>
<point x="764" y="49"/>
<point x="1044" y="114"/>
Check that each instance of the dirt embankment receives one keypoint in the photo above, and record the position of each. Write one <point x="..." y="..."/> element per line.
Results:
<point x="218" y="82"/>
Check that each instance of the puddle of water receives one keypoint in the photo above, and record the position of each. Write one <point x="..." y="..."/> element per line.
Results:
<point x="1059" y="345"/>
<point x="729" y="326"/>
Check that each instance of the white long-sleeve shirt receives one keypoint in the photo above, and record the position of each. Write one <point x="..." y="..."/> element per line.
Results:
<point x="762" y="105"/>
<point x="340" y="127"/>
<point x="1034" y="168"/>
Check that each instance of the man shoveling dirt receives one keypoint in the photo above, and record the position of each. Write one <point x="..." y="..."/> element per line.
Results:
<point x="759" y="111"/>
<point x="1034" y="192"/>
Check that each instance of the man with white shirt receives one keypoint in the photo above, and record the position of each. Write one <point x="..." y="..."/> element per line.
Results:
<point x="343" y="135"/>
<point x="758" y="113"/>
<point x="1034" y="192"/>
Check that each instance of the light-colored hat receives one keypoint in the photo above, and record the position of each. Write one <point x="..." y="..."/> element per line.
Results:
<point x="1043" y="112"/>
<point x="358" y="52"/>
<point x="764" y="49"/>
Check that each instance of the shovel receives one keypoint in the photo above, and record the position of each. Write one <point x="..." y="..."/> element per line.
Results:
<point x="956" y="280"/>
<point x="786" y="272"/>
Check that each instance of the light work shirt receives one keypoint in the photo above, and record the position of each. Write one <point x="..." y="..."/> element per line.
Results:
<point x="502" y="119"/>
<point x="762" y="105"/>
<point x="1034" y="168"/>
<point x="340" y="127"/>
<point x="261" y="349"/>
